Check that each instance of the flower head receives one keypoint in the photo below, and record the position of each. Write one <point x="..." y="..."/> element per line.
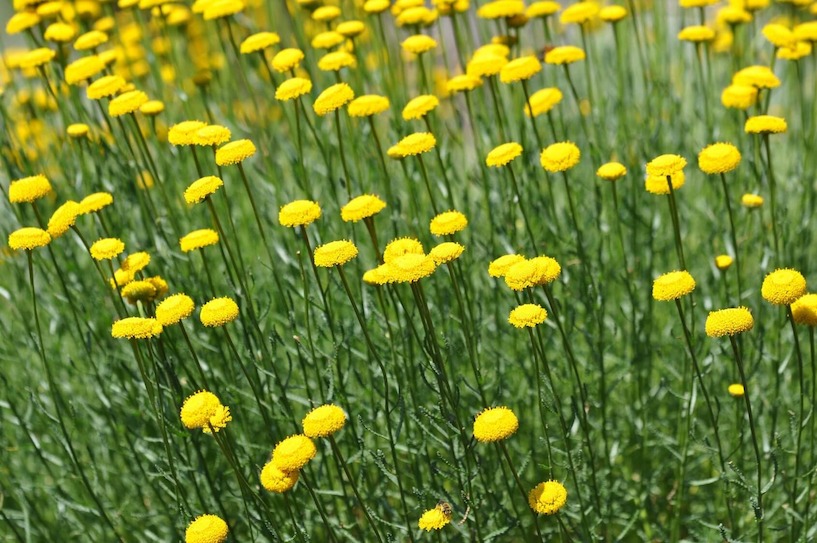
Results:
<point x="95" y="202"/>
<point x="463" y="83"/>
<point x="542" y="8"/>
<point x="409" y="268"/>
<point x="503" y="154"/>
<point x="287" y="59"/>
<point x="210" y="135"/>
<point x="723" y="262"/>
<point x="419" y="44"/>
<point x="258" y="42"/>
<point x="485" y="65"/>
<point x="333" y="98"/>
<point x="107" y="248"/>
<point x="351" y="29"/>
<point x="498" y="9"/>
<point x="234" y="152"/>
<point x="804" y="310"/>
<point x="543" y="101"/>
<point x="783" y="286"/>
<point x="565" y="54"/>
<point x="127" y="102"/>
<point x="198" y="239"/>
<point x="415" y="144"/>
<point x="696" y="34"/>
<point x="277" y="480"/>
<point x="418" y="107"/>
<point x="446" y="252"/>
<point x="611" y="171"/>
<point x="334" y="61"/>
<point x="728" y="322"/>
<point x="500" y="266"/>
<point x="105" y="86"/>
<point x="400" y="247"/>
<point x="761" y="77"/>
<point x="434" y="519"/>
<point x="202" y="188"/>
<point x="579" y="13"/>
<point x="63" y="218"/>
<point x="77" y="130"/>
<point x="203" y="410"/>
<point x="184" y="133"/>
<point x="736" y="390"/>
<point x="765" y="124"/>
<point x="83" y="68"/>
<point x="778" y="35"/>
<point x="718" y="158"/>
<point x="752" y="201"/>
<point x="672" y="285"/>
<point x="613" y="13"/>
<point x="138" y="291"/>
<point x="527" y="315"/>
<point x="362" y="207"/>
<point x="520" y="69"/>
<point x="560" y="157"/>
<point x="327" y="39"/>
<point x="335" y="253"/>
<point x="28" y="238"/>
<point x="21" y="21"/>
<point x="367" y="105"/>
<point x="447" y="223"/>
<point x="174" y="309"/>
<point x="495" y="424"/>
<point x="37" y="57"/>
<point x="657" y="184"/>
<point x="299" y="213"/>
<point x="206" y="529"/>
<point x="218" y="9"/>
<point x="292" y="88"/>
<point x="739" y="96"/>
<point x="218" y="312"/>
<point x="136" y="328"/>
<point x="666" y="165"/>
<point x="293" y="453"/>
<point x="324" y="421"/>
<point x="29" y="189"/>
<point x="547" y="498"/>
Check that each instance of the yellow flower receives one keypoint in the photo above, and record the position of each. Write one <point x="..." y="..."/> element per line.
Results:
<point x="29" y="189"/>
<point x="611" y="171"/>
<point x="127" y="103"/>
<point x="657" y="184"/>
<point x="59" y="32"/>
<point x="82" y="69"/>
<point x="107" y="248"/>
<point x="804" y="310"/>
<point x="202" y="188"/>
<point x="218" y="312"/>
<point x="415" y="144"/>
<point x="462" y="83"/>
<point x="495" y="424"/>
<point x="327" y="39"/>
<point x="739" y="96"/>
<point x="565" y="54"/>
<point x="579" y="13"/>
<point x="258" y="42"/>
<point x="376" y="276"/>
<point x="673" y="285"/>
<point x="497" y="9"/>
<point x="184" y="133"/>
<point x="37" y="57"/>
<point x="409" y="268"/>
<point x="696" y="34"/>
<point x="276" y="480"/>
<point x="520" y="69"/>
<point x="446" y="252"/>
<point x="733" y="15"/>
<point x="447" y="223"/>
<point x="500" y="266"/>
<point x="198" y="239"/>
<point x="367" y="105"/>
<point x="203" y="410"/>
<point x="527" y="315"/>
<point x="105" y="86"/>
<point x="419" y="44"/>
<point x="21" y="21"/>
<point x="801" y="49"/>
<point x="211" y="135"/>
<point x="756" y="76"/>
<point x="351" y="29"/>
<point x="375" y="6"/>
<point x="77" y="130"/>
<point x="138" y="291"/>
<point x="783" y="286"/>
<point x="718" y="158"/>
<point x="362" y="207"/>
<point x="63" y="218"/>
<point x="666" y="165"/>
<point x="547" y="498"/>
<point x="334" y="61"/>
<point x="326" y="13"/>
<point x="151" y="108"/>
<point x="560" y="157"/>
<point x="778" y="35"/>
<point x="736" y="390"/>
<point x="612" y="14"/>
<point x="174" y="309"/>
<point x="293" y="88"/>
<point x="222" y="8"/>
<point x="299" y="213"/>
<point x="765" y="124"/>
<point x="324" y="421"/>
<point x="419" y="15"/>
<point x="503" y="154"/>
<point x="728" y="322"/>
<point x="806" y="31"/>
<point x="335" y="253"/>
<point x="696" y="3"/>
<point x="543" y="8"/>
<point x="485" y="65"/>
<point x="28" y="238"/>
<point x="206" y="529"/>
<point x="751" y="201"/>
<point x="333" y="98"/>
<point x="418" y="107"/>
<point x="529" y="273"/>
<point x="434" y="519"/>
<point x="723" y="262"/>
<point x="136" y="328"/>
<point x="287" y="59"/>
<point x="136" y="262"/>
<point x="293" y="453"/>
<point x="234" y="152"/>
<point x="543" y="101"/>
<point x="400" y="247"/>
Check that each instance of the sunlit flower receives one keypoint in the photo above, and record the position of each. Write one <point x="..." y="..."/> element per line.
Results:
<point x="335" y="253"/>
<point x="105" y="86"/>
<point x="666" y="165"/>
<point x="736" y="390"/>
<point x="198" y="239"/>
<point x="83" y="69"/>
<point x="202" y="188"/>
<point x="277" y="480"/>
<point x="415" y="144"/>
<point x="611" y="171"/>
<point x="579" y="13"/>
<point x="210" y="135"/>
<point x="184" y="133"/>
<point x="527" y="315"/>
<point x="206" y="529"/>
<point x="29" y="189"/>
<point x="672" y="286"/>
<point x="419" y="44"/>
<point x="613" y="13"/>
<point x="174" y="309"/>
<point x="63" y="218"/>
<point x="258" y="42"/>
<point x="107" y="248"/>
<point x="434" y="519"/>
<point x="543" y="101"/>
<point x="136" y="328"/>
<point x="696" y="33"/>
<point x="234" y="152"/>
<point x="657" y="184"/>
<point x="723" y="262"/>
<point x="756" y="76"/>
<point x="765" y="124"/>
<point x="804" y="310"/>
<point x="783" y="286"/>
<point x="367" y="105"/>
<point x="204" y="410"/>
<point x="751" y="201"/>
<point x="287" y="59"/>
<point x="560" y="157"/>
<point x="28" y="238"/>
<point x="728" y="322"/>
<point x="400" y="247"/>
<point x="463" y="83"/>
<point x="127" y="102"/>
<point x="718" y="158"/>
<point x="418" y="107"/>
<point x="565" y="54"/>
<point x="334" y="61"/>
<point x="778" y="35"/>
<point x="409" y="268"/>
<point x="293" y="88"/>
<point x="500" y="266"/>
<point x="542" y="8"/>
<point x="362" y="207"/>
<point x="520" y="69"/>
<point x="548" y="498"/>
<point x="293" y="453"/>
<point x="324" y="421"/>
<point x="218" y="312"/>
<point x="333" y="98"/>
<point x="446" y="252"/>
<point x="503" y="154"/>
<point x="299" y="213"/>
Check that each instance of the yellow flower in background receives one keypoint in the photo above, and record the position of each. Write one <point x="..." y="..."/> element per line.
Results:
<point x="138" y="291"/>
<point x="779" y="36"/>
<point x="415" y="144"/>
<point x="28" y="238"/>
<point x="418" y="107"/>
<point x="657" y="184"/>
<point x="500" y="266"/>
<point x="527" y="315"/>
<point x="293" y="88"/>
<point x="543" y="101"/>
<point x="327" y="39"/>
<point x="222" y="8"/>
<point x="136" y="328"/>
<point x="485" y="65"/>
<point x="299" y="213"/>
<point x="733" y="15"/>
<point x="77" y="130"/>
<point x="751" y="201"/>
<point x="736" y="390"/>
<point x="547" y="498"/>
<point x="739" y="96"/>
<point x="362" y="207"/>
<point x="613" y="13"/>
<point x="83" y="69"/>
<point x="672" y="286"/>
<point x="37" y="57"/>
<point x="418" y="15"/>
<point x="718" y="158"/>
<point x="498" y="9"/>
<point x="565" y="54"/>
<point x="151" y="108"/>
<point x="502" y="155"/>
<point x="326" y="13"/>
<point x="729" y="322"/>
<point x="351" y="29"/>
<point x="90" y="40"/>
<point x="463" y="83"/>
<point x="336" y="60"/>
<point x="206" y="529"/>
<point x="446" y="252"/>
<point x="218" y="312"/>
<point x="520" y="69"/>
<point x="277" y="480"/>
<point x="783" y="286"/>
<point x="127" y="103"/>
<point x="293" y="453"/>
<point x="63" y="218"/>
<point x="334" y="97"/>
<point x="579" y="13"/>
<point x="696" y="34"/>
<point x="804" y="310"/>
<point x="800" y="50"/>
<point x="447" y="223"/>
<point x="22" y="21"/>
<point x="723" y="262"/>
<point x="400" y="247"/>
<point x="202" y="188"/>
<point x="235" y="152"/>
<point x="324" y="421"/>
<point x="210" y="135"/>
<point x="367" y="105"/>
<point x="375" y="6"/>
<point x="765" y="124"/>
<point x="335" y="253"/>
<point x="95" y="202"/>
<point x="59" y="32"/>
<point x="418" y="44"/>
<point x="105" y="86"/>
<point x="664" y="165"/>
<point x="434" y="519"/>
<point x="761" y="77"/>
<point x="174" y="309"/>
<point x="560" y="157"/>
<point x="287" y="59"/>
<point x="806" y="31"/>
<point x="29" y="189"/>
<point x="611" y="171"/>
<point x="258" y="42"/>
<point x="198" y="239"/>
<point x="184" y="133"/>
<point x="542" y="9"/>
<point x="107" y="248"/>
<point x="696" y="3"/>
<point x="409" y="268"/>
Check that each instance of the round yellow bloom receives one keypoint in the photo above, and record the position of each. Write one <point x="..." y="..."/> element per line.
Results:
<point x="258" y="42"/>
<point x="203" y="410"/>
<point x="736" y="390"/>
<point x="287" y="59"/>
<point x="696" y="34"/>
<point x="495" y="424"/>
<point x="21" y="21"/>
<point x="503" y="154"/>
<point x="400" y="247"/>
<point x="37" y="57"/>
<point x="778" y="35"/>
<point x="415" y="144"/>
<point x="335" y="253"/>
<point x="107" y="248"/>
<point x="334" y="61"/>
<point x="500" y="266"/>
<point x="324" y="421"/>
<point x="756" y="76"/>
<point x="673" y="285"/>
<point x="326" y="13"/>
<point x="351" y="29"/>
<point x="579" y="13"/>
<point x="611" y="171"/>
<point x="206" y="529"/>
<point x="485" y="65"/>
<point x="105" y="86"/>
<point x="89" y="40"/>
<point x="419" y="15"/>
<point x="198" y="239"/>
<point x="804" y="310"/>
<point x="418" y="107"/>
<point x="77" y="130"/>
<point x="497" y="9"/>
<point x="293" y="453"/>
<point x="299" y="213"/>
<point x="29" y="189"/>
<point x="462" y="83"/>
<point x="543" y="101"/>
<point x="151" y="108"/>
<point x="765" y="124"/>
<point x="218" y="312"/>
<point x="82" y="69"/>
<point x="202" y="188"/>
<point x="276" y="480"/>
<point x="409" y="268"/>
<point x="718" y="158"/>
<point x="733" y="15"/>
<point x="520" y="69"/>
<point x="801" y="49"/>
<point x="547" y="269"/>
<point x="527" y="273"/>
<point x="560" y="157"/>
<point x="666" y="165"/>
<point x="211" y="135"/>
<point x="434" y="519"/>
<point x="174" y="309"/>
<point x="739" y="96"/>
<point x="527" y="315"/>
<point x="127" y="103"/>
<point x="28" y="238"/>
<point x="696" y="3"/>
<point x="657" y="184"/>
<point x="375" y="6"/>
<point x="542" y="8"/>
<point x="446" y="252"/>
<point x="547" y="498"/>
<point x="419" y="44"/>
<point x="184" y="133"/>
<point x="139" y="291"/>
<point x="612" y="14"/>
<point x="218" y="9"/>
<point x="95" y="202"/>
<point x="333" y="98"/>
<point x="327" y="39"/>
<point x="783" y="286"/>
<point x="361" y="208"/>
<point x="728" y="322"/>
<point x="723" y="262"/>
<point x="751" y="201"/>
<point x="806" y="31"/>
<point x="59" y="32"/>
<point x="447" y="223"/>
<point x="234" y="152"/>
<point x="63" y="218"/>
<point x="565" y="54"/>
<point x="367" y="105"/>
<point x="293" y="88"/>
<point x="136" y="328"/>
